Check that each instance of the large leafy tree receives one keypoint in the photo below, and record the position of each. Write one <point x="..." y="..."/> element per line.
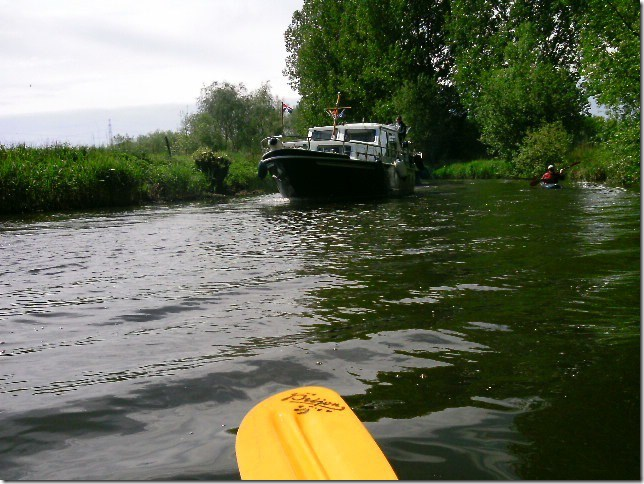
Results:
<point x="611" y="54"/>
<point x="313" y="63"/>
<point x="526" y="92"/>
<point x="516" y="67"/>
<point x="385" y="57"/>
<point x="610" y="46"/>
<point x="428" y="96"/>
<point x="229" y="117"/>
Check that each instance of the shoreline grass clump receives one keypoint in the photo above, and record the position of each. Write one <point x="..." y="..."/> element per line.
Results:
<point x="242" y="175"/>
<point x="477" y="169"/>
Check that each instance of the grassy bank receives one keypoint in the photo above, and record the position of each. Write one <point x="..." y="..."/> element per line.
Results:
<point x="597" y="165"/>
<point x="61" y="177"/>
<point x="473" y="169"/>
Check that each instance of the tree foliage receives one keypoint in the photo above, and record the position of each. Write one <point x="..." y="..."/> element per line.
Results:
<point x="229" y="117"/>
<point x="382" y="56"/>
<point x="610" y="43"/>
<point x="526" y="92"/>
<point x="520" y="71"/>
<point x="463" y="71"/>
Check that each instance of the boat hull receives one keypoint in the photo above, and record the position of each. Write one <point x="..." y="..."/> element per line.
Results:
<point x="311" y="174"/>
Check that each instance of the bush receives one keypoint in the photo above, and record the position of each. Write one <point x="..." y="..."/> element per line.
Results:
<point x="548" y="145"/>
<point x="214" y="166"/>
<point x="624" y="154"/>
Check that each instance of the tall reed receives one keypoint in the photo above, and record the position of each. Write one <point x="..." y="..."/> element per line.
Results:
<point x="474" y="169"/>
<point x="62" y="177"/>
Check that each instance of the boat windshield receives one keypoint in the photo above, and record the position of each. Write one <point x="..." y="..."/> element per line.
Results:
<point x="366" y="135"/>
<point x="321" y="135"/>
<point x="342" y="150"/>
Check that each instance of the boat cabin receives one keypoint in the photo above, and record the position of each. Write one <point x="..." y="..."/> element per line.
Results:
<point x="360" y="141"/>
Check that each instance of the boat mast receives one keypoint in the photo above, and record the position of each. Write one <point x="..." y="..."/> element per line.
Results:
<point x="334" y="113"/>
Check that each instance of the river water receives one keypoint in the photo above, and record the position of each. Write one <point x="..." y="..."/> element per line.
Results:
<point x="481" y="330"/>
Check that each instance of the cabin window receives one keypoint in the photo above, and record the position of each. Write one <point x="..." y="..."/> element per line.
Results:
<point x="366" y="135"/>
<point x="321" y="135"/>
<point x="346" y="150"/>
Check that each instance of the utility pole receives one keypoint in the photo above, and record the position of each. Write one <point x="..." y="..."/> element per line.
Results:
<point x="109" y="132"/>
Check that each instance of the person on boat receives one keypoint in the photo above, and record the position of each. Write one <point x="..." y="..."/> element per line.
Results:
<point x="402" y="129"/>
<point x="552" y="175"/>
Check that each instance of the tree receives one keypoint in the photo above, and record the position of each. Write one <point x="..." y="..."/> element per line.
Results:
<point x="379" y="55"/>
<point x="519" y="69"/>
<point x="262" y="117"/>
<point x="228" y="117"/>
<point x="610" y="47"/>
<point x="525" y="93"/>
<point x="438" y="123"/>
<point x="312" y="64"/>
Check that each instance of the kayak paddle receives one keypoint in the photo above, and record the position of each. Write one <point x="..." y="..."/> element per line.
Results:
<point x="537" y="179"/>
<point x="307" y="433"/>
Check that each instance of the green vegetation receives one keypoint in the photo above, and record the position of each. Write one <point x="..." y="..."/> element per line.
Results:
<point x="61" y="177"/>
<point x="500" y="78"/>
<point x="503" y="82"/>
<point x="483" y="169"/>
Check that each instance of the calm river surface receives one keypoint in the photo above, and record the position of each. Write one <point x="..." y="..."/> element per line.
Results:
<point x="481" y="330"/>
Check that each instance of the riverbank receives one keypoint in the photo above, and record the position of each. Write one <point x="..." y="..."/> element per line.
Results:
<point x="61" y="177"/>
<point x="595" y="165"/>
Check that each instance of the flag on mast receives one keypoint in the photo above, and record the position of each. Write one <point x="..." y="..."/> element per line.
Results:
<point x="335" y="113"/>
<point x="287" y="108"/>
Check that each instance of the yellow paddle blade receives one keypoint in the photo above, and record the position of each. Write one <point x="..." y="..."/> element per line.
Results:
<point x="308" y="433"/>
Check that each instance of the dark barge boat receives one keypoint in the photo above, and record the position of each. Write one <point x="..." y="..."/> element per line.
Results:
<point x="358" y="160"/>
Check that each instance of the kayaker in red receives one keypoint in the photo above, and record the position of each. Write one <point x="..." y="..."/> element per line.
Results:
<point x="552" y="176"/>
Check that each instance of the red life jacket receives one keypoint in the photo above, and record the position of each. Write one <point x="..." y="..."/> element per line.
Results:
<point x="550" y="177"/>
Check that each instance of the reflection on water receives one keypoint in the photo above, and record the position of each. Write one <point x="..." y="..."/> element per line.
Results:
<point x="467" y="326"/>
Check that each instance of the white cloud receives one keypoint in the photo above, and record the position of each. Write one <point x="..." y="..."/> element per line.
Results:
<point x="73" y="54"/>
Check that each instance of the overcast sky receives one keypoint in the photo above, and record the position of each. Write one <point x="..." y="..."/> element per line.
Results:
<point x="75" y="54"/>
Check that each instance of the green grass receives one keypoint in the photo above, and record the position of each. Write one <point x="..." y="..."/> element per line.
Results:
<point x="600" y="164"/>
<point x="474" y="169"/>
<point x="242" y="174"/>
<point x="62" y="177"/>
<point x="597" y="165"/>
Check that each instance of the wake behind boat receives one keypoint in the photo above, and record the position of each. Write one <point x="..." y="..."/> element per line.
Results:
<point x="359" y="160"/>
